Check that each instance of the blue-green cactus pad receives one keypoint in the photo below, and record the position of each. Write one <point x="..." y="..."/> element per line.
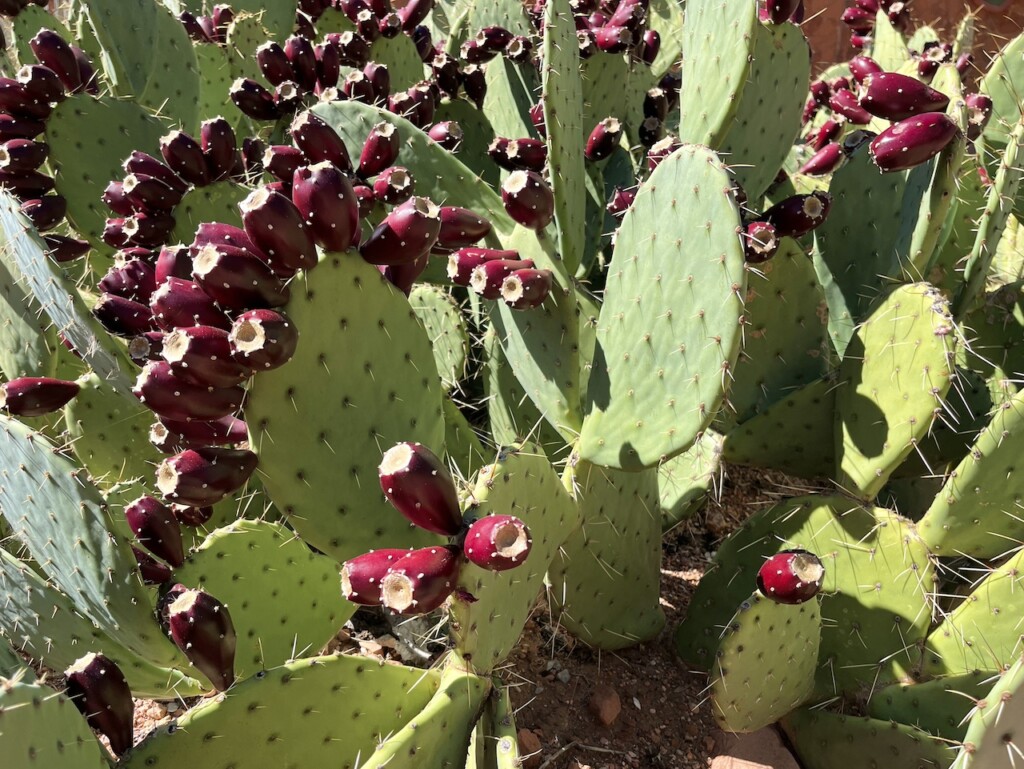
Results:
<point x="669" y="331"/>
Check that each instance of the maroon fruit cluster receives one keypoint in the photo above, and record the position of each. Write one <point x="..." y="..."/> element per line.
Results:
<point x="26" y="101"/>
<point x="416" y="482"/>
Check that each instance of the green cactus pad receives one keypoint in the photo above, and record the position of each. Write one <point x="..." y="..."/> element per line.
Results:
<point x="512" y="415"/>
<point x="147" y="56"/>
<point x="109" y="433"/>
<point x="1004" y="82"/>
<point x="326" y="711"/>
<point x="606" y="576"/>
<point x="41" y="727"/>
<point x="923" y="34"/>
<point x="718" y="41"/>
<point x="892" y="381"/>
<point x="984" y="631"/>
<point x="825" y="740"/>
<point x="995" y="734"/>
<point x="25" y="259"/>
<point x="61" y="520"/>
<point x="438" y="736"/>
<point x="910" y="496"/>
<point x="89" y="139"/>
<point x="767" y="119"/>
<point x="501" y="743"/>
<point x="28" y="346"/>
<point x="521" y="483"/>
<point x="10" y="662"/>
<point x="446" y="328"/>
<point x="666" y="18"/>
<point x="462" y="444"/>
<point x="398" y="54"/>
<point x="875" y="593"/>
<point x="613" y="86"/>
<point x="511" y="91"/>
<point x="977" y="512"/>
<point x="764" y="665"/>
<point x="685" y="481"/>
<point x="362" y="380"/>
<point x="670" y="327"/>
<point x="992" y="222"/>
<point x="488" y="13"/>
<point x="785" y="341"/>
<point x="217" y="202"/>
<point x="889" y="48"/>
<point x="285" y="600"/>
<point x="856" y="263"/>
<point x="948" y="265"/>
<point x="246" y="33"/>
<point x="794" y="435"/>
<point x="939" y="706"/>
<point x="215" y="80"/>
<point x="41" y="622"/>
<point x="562" y="97"/>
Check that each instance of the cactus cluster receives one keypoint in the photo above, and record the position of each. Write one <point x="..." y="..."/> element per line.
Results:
<point x="259" y="257"/>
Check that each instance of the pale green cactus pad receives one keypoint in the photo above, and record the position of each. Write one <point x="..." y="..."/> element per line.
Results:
<point x="41" y="727"/>
<point x="939" y="706"/>
<point x="669" y="331"/>
<point x="826" y="740"/>
<point x="764" y="665"/>
<point x="285" y="600"/>
<point x="521" y="483"/>
<point x="686" y="480"/>
<point x="324" y="711"/>
<point x="875" y="596"/>
<point x="606" y="577"/>
<point x="892" y="383"/>
<point x="984" y="631"/>
<point x="995" y="734"/>
<point x="446" y="328"/>
<point x="977" y="512"/>
<point x="317" y="423"/>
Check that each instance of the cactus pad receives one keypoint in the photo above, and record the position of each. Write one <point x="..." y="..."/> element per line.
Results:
<point x="794" y="435"/>
<point x="283" y="598"/>
<point x="61" y="520"/>
<point x="874" y="597"/>
<point x="828" y="741"/>
<point x="217" y="202"/>
<point x="765" y="663"/>
<point x="41" y="727"/>
<point x="939" y="706"/>
<point x="324" y="711"/>
<point x="562" y="97"/>
<point x="893" y="380"/>
<point x="984" y="632"/>
<point x="521" y="483"/>
<point x="669" y="331"/>
<point x="606" y="576"/>
<point x="319" y="423"/>
<point x="995" y="734"/>
<point x="685" y="480"/>
<point x="446" y="328"/>
<point x="767" y="118"/>
<point x="977" y="512"/>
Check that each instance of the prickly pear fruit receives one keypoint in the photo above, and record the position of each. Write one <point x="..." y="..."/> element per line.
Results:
<point x="201" y="627"/>
<point x="325" y="199"/>
<point x="824" y="161"/>
<point x="893" y="96"/>
<point x="152" y="571"/>
<point x="418" y="485"/>
<point x="168" y="396"/>
<point x="797" y="215"/>
<point x="526" y="288"/>
<point x="184" y="156"/>
<point x="277" y="228"/>
<point x="912" y="141"/>
<point x="760" y="242"/>
<point x="201" y="355"/>
<point x="497" y="542"/>
<point x="262" y="339"/>
<point x="122" y="317"/>
<point x="156" y="529"/>
<point x="528" y="199"/>
<point x="361" y="576"/>
<point x="393" y="185"/>
<point x="319" y="142"/>
<point x="237" y="279"/>
<point x="792" y="576"/>
<point x="35" y="396"/>
<point x="603" y="139"/>
<point x="204" y="476"/>
<point x="406" y="234"/>
<point x="100" y="691"/>
<point x="488" y="278"/>
<point x="179" y="302"/>
<point x="421" y="581"/>
<point x="379" y="151"/>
